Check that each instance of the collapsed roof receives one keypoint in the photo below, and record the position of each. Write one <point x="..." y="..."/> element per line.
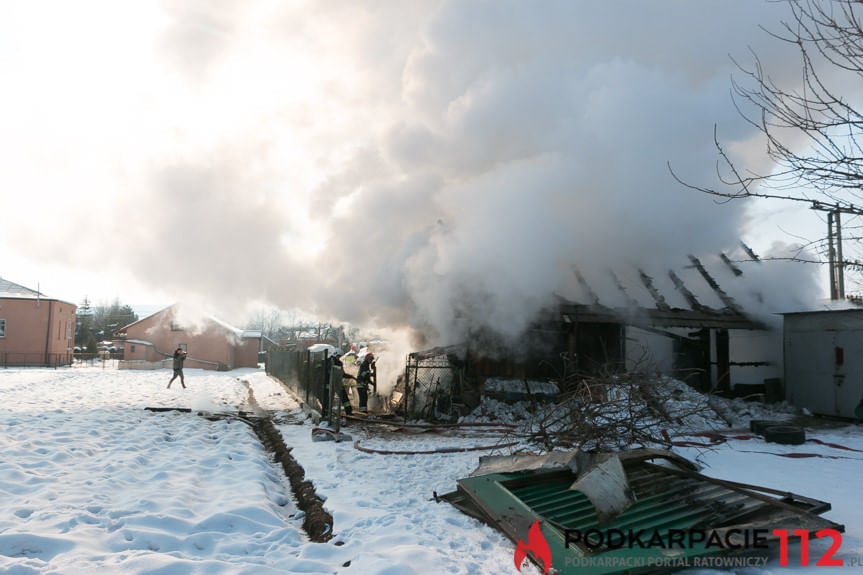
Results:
<point x="659" y="313"/>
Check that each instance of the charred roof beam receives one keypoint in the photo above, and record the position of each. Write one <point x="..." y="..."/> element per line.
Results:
<point x="654" y="293"/>
<point x="714" y="285"/>
<point x="690" y="297"/>
<point x="657" y="318"/>
<point x="630" y="302"/>
<point x="594" y="299"/>
<point x="750" y="253"/>
<point x="736" y="270"/>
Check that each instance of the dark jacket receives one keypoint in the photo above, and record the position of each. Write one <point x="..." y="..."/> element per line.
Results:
<point x="179" y="358"/>
<point x="366" y="376"/>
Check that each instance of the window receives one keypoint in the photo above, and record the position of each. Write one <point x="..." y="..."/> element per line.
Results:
<point x="176" y="327"/>
<point x="2" y="328"/>
<point x="132" y="348"/>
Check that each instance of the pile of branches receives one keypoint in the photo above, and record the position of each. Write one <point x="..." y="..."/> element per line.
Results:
<point x="612" y="412"/>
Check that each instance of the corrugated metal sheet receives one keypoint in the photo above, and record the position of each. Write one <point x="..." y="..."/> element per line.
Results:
<point x="668" y="499"/>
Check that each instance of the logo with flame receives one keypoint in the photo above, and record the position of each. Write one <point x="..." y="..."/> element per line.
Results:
<point x="537" y="545"/>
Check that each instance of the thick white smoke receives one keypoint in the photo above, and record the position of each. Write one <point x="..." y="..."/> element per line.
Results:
<point x="438" y="166"/>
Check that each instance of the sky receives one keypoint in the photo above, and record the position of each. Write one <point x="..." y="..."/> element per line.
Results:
<point x="434" y="166"/>
<point x="92" y="482"/>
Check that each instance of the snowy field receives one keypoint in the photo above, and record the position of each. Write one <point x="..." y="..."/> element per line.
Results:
<point x="92" y="482"/>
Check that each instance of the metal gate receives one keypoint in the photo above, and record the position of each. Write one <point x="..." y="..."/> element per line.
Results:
<point x="431" y="385"/>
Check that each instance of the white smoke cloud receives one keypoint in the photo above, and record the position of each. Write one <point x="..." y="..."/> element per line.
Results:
<point x="440" y="166"/>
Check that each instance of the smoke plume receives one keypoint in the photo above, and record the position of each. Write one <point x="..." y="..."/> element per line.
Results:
<point x="434" y="166"/>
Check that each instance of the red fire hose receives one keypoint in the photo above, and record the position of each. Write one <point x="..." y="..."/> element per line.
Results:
<point x="718" y="438"/>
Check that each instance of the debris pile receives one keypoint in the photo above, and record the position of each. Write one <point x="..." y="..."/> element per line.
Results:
<point x="608" y="413"/>
<point x="621" y="411"/>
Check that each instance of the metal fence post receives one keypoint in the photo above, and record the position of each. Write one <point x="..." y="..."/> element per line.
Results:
<point x="407" y="385"/>
<point x="307" y="372"/>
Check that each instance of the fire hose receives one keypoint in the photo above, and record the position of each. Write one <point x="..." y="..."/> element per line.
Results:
<point x="429" y="425"/>
<point x="358" y="447"/>
<point x="477" y="427"/>
<point x="433" y="451"/>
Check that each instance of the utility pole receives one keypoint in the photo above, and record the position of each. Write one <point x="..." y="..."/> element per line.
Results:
<point x="837" y="267"/>
<point x="834" y="245"/>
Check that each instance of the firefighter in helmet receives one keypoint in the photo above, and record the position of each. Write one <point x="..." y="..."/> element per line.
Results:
<point x="367" y="377"/>
<point x="335" y="360"/>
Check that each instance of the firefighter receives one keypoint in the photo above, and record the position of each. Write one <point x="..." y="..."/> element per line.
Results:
<point x="335" y="361"/>
<point x="366" y="377"/>
<point x="343" y="393"/>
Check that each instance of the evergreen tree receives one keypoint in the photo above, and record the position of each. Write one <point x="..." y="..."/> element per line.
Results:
<point x="83" y="324"/>
<point x="99" y="323"/>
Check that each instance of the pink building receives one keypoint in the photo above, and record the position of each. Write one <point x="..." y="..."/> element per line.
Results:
<point x="34" y="329"/>
<point x="210" y="343"/>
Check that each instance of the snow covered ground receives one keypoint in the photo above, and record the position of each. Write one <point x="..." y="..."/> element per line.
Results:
<point x="92" y="482"/>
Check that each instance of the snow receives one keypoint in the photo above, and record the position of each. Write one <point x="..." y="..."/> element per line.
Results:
<point x="91" y="481"/>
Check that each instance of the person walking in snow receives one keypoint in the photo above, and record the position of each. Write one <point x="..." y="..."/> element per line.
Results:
<point x="179" y="358"/>
<point x="366" y="377"/>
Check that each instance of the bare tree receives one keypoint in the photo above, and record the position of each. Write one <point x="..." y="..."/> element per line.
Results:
<point x="812" y="130"/>
<point x="266" y="319"/>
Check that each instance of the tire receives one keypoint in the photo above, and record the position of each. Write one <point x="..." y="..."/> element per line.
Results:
<point x="785" y="434"/>
<point x="757" y="426"/>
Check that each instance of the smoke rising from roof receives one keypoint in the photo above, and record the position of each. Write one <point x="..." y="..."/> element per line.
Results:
<point x="441" y="166"/>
